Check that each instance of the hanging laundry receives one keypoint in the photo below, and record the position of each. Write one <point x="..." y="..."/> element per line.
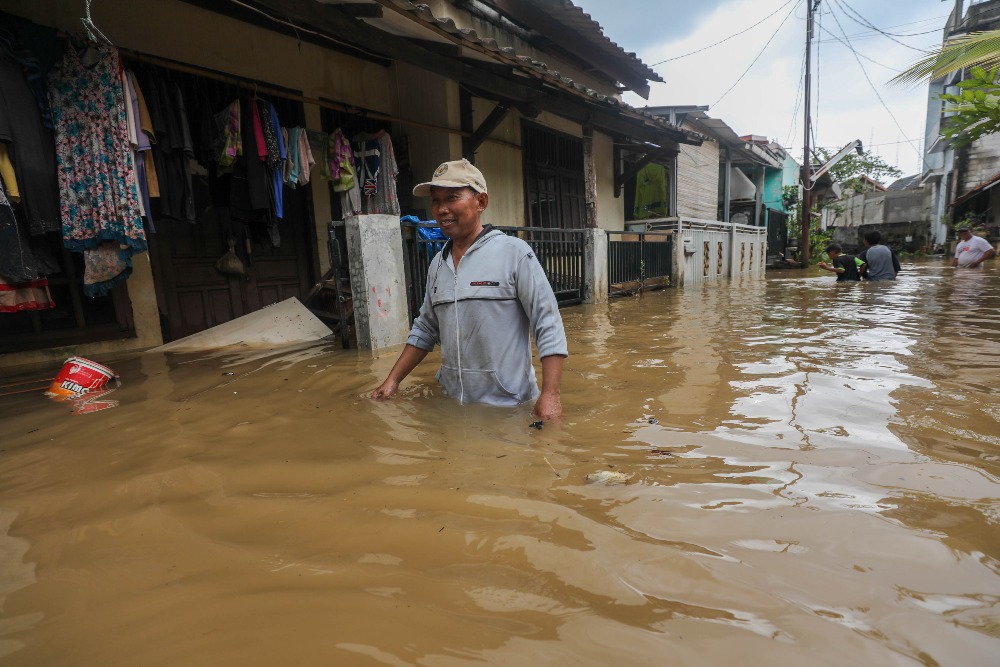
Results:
<point x="378" y="170"/>
<point x="97" y="189"/>
<point x="250" y="194"/>
<point x="31" y="67"/>
<point x="306" y="159"/>
<point x="227" y="123"/>
<point x="7" y="175"/>
<point x="17" y="263"/>
<point x="30" y="150"/>
<point x="258" y="130"/>
<point x="275" y="154"/>
<point x="341" y="156"/>
<point x="140" y="146"/>
<point x="184" y="156"/>
<point x="650" y="192"/>
<point x="33" y="295"/>
<point x="292" y="165"/>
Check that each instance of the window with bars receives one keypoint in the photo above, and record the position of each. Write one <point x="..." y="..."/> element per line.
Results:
<point x="553" y="178"/>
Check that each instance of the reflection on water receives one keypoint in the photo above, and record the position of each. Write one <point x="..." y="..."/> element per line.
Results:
<point x="811" y="476"/>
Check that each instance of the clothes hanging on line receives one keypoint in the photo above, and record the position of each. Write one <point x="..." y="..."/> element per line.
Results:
<point x="378" y="171"/>
<point x="30" y="150"/>
<point x="98" y="196"/>
<point x="32" y="295"/>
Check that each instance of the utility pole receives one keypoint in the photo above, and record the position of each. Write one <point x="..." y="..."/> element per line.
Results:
<point x="806" y="221"/>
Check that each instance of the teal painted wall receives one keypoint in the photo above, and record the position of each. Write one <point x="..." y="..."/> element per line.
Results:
<point x="775" y="180"/>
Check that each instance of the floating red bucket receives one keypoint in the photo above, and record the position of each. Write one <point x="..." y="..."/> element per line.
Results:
<point x="79" y="376"/>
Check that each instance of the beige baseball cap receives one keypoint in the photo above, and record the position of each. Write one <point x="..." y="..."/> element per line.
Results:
<point x="454" y="174"/>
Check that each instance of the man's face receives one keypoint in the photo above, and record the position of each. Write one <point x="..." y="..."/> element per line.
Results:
<point x="457" y="210"/>
<point x="965" y="235"/>
<point x="832" y="254"/>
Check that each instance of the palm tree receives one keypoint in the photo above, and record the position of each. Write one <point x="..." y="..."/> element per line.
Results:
<point x="958" y="53"/>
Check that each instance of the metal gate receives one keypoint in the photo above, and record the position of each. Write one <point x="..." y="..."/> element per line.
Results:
<point x="559" y="251"/>
<point x="639" y="261"/>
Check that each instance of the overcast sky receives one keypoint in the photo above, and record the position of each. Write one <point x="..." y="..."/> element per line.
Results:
<point x="767" y="100"/>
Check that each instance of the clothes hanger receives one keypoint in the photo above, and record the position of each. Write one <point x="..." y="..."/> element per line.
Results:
<point x="93" y="32"/>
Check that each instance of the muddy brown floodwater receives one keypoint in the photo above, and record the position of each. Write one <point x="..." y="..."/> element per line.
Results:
<point x="812" y="479"/>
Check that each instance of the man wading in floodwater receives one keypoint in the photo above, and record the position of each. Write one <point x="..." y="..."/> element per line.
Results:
<point x="485" y="291"/>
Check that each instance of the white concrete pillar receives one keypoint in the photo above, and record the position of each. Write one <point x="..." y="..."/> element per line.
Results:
<point x="680" y="256"/>
<point x="375" y="257"/>
<point x="595" y="280"/>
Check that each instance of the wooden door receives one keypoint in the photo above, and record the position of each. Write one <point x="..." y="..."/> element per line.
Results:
<point x="193" y="295"/>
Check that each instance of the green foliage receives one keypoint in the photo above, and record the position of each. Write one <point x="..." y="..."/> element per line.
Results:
<point x="958" y="53"/>
<point x="976" y="108"/>
<point x="790" y="197"/>
<point x="850" y="169"/>
<point x="818" y="241"/>
<point x="790" y="201"/>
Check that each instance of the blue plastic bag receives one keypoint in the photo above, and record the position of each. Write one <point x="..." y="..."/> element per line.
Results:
<point x="427" y="233"/>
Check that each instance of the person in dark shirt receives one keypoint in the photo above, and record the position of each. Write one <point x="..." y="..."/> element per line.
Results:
<point x="845" y="266"/>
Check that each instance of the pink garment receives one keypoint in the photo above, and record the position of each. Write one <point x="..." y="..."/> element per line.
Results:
<point x="258" y="131"/>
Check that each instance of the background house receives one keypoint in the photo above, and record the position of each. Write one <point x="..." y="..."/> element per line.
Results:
<point x="961" y="181"/>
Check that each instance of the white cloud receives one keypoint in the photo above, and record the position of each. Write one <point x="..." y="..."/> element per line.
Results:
<point x="763" y="101"/>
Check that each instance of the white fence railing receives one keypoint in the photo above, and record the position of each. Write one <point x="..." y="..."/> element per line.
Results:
<point x="711" y="250"/>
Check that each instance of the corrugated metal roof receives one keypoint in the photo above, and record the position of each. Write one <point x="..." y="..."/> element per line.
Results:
<point x="721" y="132"/>
<point x="582" y="23"/>
<point x="534" y="68"/>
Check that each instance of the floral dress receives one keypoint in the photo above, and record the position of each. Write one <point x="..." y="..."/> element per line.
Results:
<point x="99" y="201"/>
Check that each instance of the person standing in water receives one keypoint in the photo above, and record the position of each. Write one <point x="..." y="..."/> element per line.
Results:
<point x="845" y="266"/>
<point x="880" y="262"/>
<point x="971" y="251"/>
<point x="485" y="293"/>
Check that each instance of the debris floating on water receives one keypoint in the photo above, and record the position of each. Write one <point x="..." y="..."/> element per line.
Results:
<point x="608" y="477"/>
<point x="537" y="424"/>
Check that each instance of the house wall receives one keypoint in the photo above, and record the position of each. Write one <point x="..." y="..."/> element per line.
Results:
<point x="502" y="166"/>
<point x="698" y="180"/>
<point x="902" y="218"/>
<point x="982" y="163"/>
<point x="904" y="206"/>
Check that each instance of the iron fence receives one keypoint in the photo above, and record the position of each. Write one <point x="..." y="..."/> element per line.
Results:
<point x="639" y="261"/>
<point x="559" y="251"/>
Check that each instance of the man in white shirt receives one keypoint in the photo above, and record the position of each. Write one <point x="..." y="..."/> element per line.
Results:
<point x="971" y="251"/>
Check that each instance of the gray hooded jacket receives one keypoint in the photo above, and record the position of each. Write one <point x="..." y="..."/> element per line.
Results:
<point x="481" y="315"/>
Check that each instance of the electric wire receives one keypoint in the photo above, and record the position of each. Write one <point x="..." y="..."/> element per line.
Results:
<point x="814" y="116"/>
<point x="868" y="24"/>
<point x="798" y="100"/>
<point x="868" y="79"/>
<point x="297" y="29"/>
<point x="871" y="60"/>
<point x="868" y="35"/>
<point x="735" y="34"/>
<point x="757" y="57"/>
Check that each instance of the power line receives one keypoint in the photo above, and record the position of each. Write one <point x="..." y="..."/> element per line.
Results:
<point x="798" y="100"/>
<point x="868" y="24"/>
<point x="757" y="57"/>
<point x="868" y="78"/>
<point x="870" y="34"/>
<point x="814" y="117"/>
<point x="858" y="53"/>
<point x="735" y="34"/>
